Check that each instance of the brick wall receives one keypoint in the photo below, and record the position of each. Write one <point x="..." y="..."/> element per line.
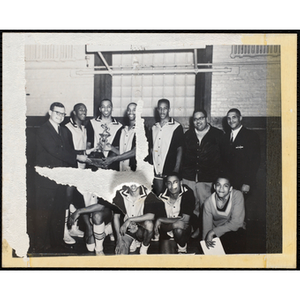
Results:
<point x="255" y="90"/>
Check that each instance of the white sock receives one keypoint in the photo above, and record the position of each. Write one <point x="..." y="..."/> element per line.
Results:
<point x="144" y="249"/>
<point x="182" y="249"/>
<point x="90" y="247"/>
<point x="74" y="227"/>
<point x="66" y="231"/>
<point x="99" y="236"/>
<point x="108" y="229"/>
<point x="72" y="208"/>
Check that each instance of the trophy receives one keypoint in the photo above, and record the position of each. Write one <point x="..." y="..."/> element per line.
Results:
<point x="102" y="148"/>
<point x="103" y="140"/>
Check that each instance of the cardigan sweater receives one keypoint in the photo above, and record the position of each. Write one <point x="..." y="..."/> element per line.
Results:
<point x="224" y="221"/>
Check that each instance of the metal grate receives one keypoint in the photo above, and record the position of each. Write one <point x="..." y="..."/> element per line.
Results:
<point x="254" y="50"/>
<point x="49" y="52"/>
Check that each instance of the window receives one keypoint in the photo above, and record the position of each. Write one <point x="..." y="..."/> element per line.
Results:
<point x="151" y="86"/>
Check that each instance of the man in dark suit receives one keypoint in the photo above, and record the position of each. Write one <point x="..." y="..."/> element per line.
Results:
<point x="240" y="152"/>
<point x="54" y="149"/>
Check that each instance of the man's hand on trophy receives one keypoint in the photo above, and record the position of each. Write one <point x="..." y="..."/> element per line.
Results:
<point x="98" y="162"/>
<point x="83" y="159"/>
<point x="109" y="147"/>
<point x="89" y="151"/>
<point x="99" y="147"/>
<point x="108" y="160"/>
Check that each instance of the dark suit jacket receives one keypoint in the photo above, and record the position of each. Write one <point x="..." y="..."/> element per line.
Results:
<point x="53" y="150"/>
<point x="241" y="158"/>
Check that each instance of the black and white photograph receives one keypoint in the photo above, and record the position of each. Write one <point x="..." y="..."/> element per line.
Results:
<point x="149" y="150"/>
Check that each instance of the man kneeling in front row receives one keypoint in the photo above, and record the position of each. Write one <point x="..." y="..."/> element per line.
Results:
<point x="179" y="203"/>
<point x="223" y="217"/>
<point x="135" y="224"/>
<point x="99" y="214"/>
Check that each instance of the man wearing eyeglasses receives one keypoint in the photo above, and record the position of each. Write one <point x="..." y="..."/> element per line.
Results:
<point x="54" y="149"/>
<point x="201" y="161"/>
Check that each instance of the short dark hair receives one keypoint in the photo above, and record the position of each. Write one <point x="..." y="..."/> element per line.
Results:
<point x="77" y="105"/>
<point x="125" y="117"/>
<point x="163" y="101"/>
<point x="105" y="100"/>
<point x="98" y="111"/>
<point x="173" y="174"/>
<point x="235" y="110"/>
<point x="57" y="104"/>
<point x="201" y="111"/>
<point x="131" y="103"/>
<point x="223" y="175"/>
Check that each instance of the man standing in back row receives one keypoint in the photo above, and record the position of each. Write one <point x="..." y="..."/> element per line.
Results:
<point x="102" y="132"/>
<point x="240" y="151"/>
<point x="54" y="149"/>
<point x="166" y="140"/>
<point x="74" y="200"/>
<point x="201" y="161"/>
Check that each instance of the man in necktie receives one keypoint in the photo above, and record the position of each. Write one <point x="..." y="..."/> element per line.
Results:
<point x="54" y="149"/>
<point x="231" y="138"/>
<point x="240" y="151"/>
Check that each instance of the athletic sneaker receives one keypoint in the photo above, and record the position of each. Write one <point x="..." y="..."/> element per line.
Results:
<point x="155" y="238"/>
<point x="68" y="239"/>
<point x="74" y="231"/>
<point x="109" y="232"/>
<point x="134" y="245"/>
<point x="182" y="250"/>
<point x="90" y="247"/>
<point x="144" y="250"/>
<point x="108" y="229"/>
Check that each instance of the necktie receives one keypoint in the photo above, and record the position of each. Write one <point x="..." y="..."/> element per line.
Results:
<point x="59" y="131"/>
<point x="231" y="138"/>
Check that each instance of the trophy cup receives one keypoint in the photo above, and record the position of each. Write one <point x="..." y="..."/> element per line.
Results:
<point x="102" y="148"/>
<point x="103" y="140"/>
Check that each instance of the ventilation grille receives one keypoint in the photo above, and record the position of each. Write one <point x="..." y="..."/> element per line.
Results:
<point x="49" y="52"/>
<point x="254" y="50"/>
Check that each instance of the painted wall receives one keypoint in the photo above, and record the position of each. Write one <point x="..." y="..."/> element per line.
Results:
<point x="57" y="73"/>
<point x="255" y="89"/>
<point x="51" y="75"/>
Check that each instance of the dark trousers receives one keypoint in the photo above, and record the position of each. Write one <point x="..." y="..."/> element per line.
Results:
<point x="197" y="222"/>
<point x="49" y="218"/>
<point x="234" y="242"/>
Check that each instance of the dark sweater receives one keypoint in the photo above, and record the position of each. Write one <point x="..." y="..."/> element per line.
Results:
<point x="201" y="158"/>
